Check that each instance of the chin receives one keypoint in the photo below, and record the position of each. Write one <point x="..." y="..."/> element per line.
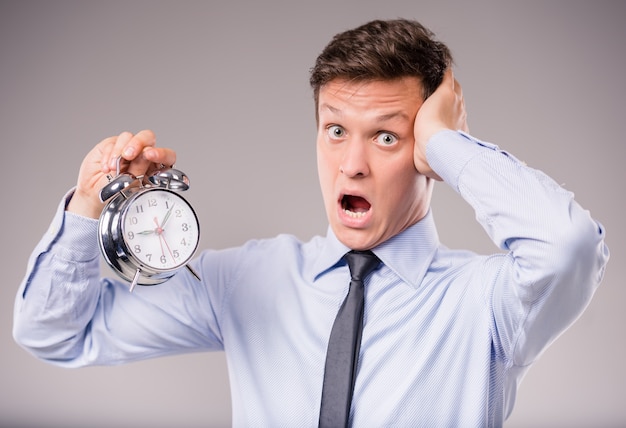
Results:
<point x="356" y="240"/>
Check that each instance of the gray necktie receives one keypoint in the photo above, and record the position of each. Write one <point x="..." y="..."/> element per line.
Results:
<point x="344" y="343"/>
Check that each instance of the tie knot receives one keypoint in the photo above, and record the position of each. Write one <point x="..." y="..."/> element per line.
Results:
<point x="361" y="263"/>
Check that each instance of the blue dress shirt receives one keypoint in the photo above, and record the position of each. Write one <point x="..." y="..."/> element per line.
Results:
<point x="447" y="334"/>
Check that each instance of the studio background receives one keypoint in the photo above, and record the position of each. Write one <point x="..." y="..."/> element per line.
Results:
<point x="225" y="83"/>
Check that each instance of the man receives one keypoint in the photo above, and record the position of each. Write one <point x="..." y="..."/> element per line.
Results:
<point x="446" y="335"/>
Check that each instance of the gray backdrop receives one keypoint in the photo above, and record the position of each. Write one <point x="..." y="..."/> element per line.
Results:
<point x="225" y="84"/>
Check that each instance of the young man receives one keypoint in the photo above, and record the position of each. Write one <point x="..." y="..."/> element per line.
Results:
<point x="446" y="335"/>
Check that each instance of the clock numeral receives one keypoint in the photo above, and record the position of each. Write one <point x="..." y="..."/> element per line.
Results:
<point x="149" y="257"/>
<point x="163" y="259"/>
<point x="185" y="227"/>
<point x="131" y="236"/>
<point x="152" y="202"/>
<point x="175" y="254"/>
<point x="178" y="213"/>
<point x="183" y="242"/>
<point x="133" y="220"/>
<point x="137" y="249"/>
<point x="139" y="209"/>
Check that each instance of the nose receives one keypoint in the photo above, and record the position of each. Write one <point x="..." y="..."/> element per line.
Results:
<point x="354" y="162"/>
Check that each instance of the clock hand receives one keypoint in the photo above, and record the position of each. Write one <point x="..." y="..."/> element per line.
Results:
<point x="159" y="231"/>
<point x="161" y="243"/>
<point x="167" y="216"/>
<point x="167" y="246"/>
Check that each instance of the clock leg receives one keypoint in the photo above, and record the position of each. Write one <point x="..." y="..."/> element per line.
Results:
<point x="193" y="272"/>
<point x="135" y="280"/>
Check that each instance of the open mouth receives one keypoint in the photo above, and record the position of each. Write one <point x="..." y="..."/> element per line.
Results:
<point x="355" y="206"/>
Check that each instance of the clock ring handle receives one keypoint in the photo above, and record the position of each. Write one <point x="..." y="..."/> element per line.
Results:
<point x="170" y="178"/>
<point x="116" y="185"/>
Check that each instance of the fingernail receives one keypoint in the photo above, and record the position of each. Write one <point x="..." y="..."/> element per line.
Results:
<point x="129" y="152"/>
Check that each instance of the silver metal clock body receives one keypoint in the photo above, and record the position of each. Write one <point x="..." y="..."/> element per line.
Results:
<point x="148" y="232"/>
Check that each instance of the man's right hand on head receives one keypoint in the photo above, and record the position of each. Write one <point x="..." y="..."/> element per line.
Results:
<point x="444" y="109"/>
<point x="139" y="156"/>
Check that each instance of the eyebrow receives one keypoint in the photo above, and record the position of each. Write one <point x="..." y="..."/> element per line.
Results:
<point x="331" y="108"/>
<point x="381" y="118"/>
<point x="393" y="115"/>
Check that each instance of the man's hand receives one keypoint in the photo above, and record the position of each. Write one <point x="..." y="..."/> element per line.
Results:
<point x="139" y="156"/>
<point x="444" y="109"/>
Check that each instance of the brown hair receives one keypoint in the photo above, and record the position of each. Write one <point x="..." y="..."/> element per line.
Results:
<point x="383" y="50"/>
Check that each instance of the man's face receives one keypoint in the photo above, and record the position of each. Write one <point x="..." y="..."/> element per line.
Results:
<point x="370" y="186"/>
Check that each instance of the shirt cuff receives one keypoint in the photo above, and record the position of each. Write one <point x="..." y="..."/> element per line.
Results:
<point x="76" y="236"/>
<point x="448" y="152"/>
<point x="79" y="236"/>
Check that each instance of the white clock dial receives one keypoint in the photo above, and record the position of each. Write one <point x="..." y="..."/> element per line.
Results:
<point x="160" y="230"/>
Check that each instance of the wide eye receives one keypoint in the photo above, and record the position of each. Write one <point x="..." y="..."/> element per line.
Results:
<point x="386" y="139"/>
<point x="336" y="132"/>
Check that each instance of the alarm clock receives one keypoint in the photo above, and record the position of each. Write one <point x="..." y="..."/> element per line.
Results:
<point x="147" y="231"/>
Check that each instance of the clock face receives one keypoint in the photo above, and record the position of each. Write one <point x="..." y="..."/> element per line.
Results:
<point x="160" y="229"/>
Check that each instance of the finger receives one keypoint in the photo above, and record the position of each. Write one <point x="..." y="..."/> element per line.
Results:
<point x="457" y="88"/>
<point x="461" y="99"/>
<point x="159" y="159"/>
<point x="105" y="147"/>
<point x="121" y="141"/>
<point x="151" y="159"/>
<point x="160" y="155"/>
<point x="448" y="78"/>
<point x="464" y="126"/>
<point x="135" y="146"/>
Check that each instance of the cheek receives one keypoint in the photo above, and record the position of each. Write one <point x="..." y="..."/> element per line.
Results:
<point x="403" y="192"/>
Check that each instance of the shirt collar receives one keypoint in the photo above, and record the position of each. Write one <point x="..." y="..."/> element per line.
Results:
<point x="408" y="254"/>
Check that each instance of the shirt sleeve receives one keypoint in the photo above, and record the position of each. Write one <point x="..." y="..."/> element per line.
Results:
<point x="66" y="314"/>
<point x="554" y="252"/>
